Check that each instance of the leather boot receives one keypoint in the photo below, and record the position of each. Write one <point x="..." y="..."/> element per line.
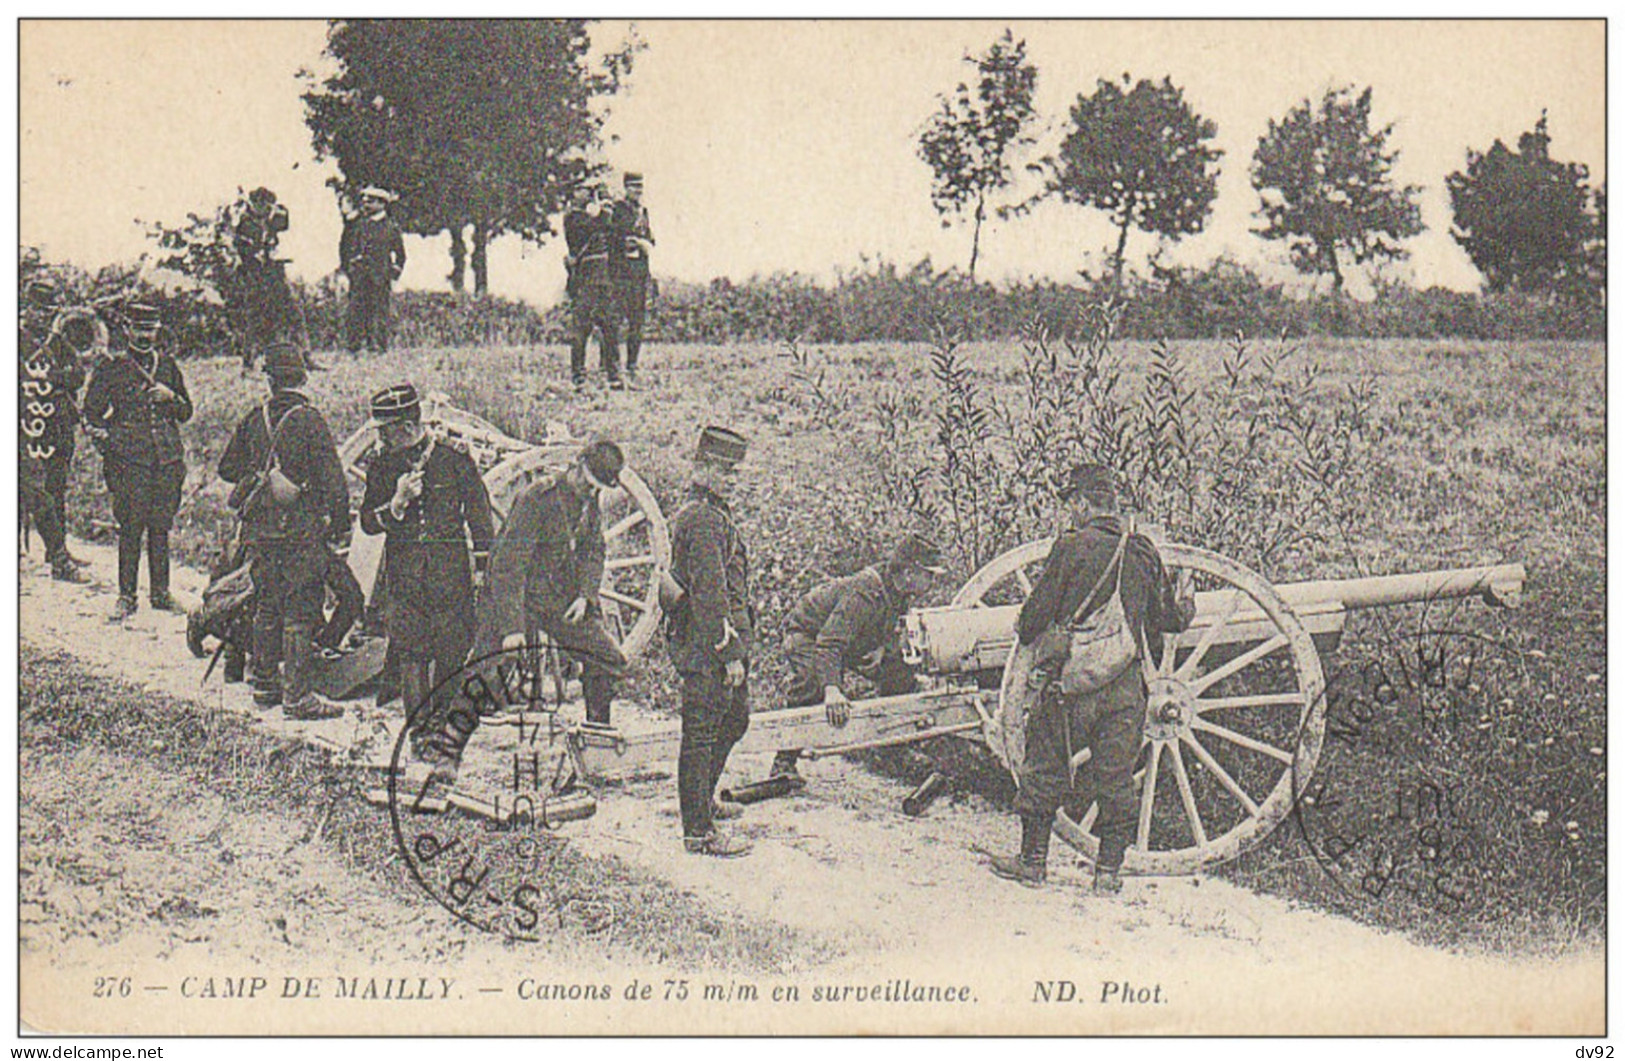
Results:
<point x="158" y="570"/>
<point x="597" y="691"/>
<point x="63" y="569"/>
<point x="1030" y="867"/>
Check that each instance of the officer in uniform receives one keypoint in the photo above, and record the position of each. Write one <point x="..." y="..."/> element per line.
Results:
<point x="550" y="557"/>
<point x="50" y="380"/>
<point x="292" y="498"/>
<point x="263" y="309"/>
<point x="710" y="633"/>
<point x="372" y="255"/>
<point x="134" y="408"/>
<point x="851" y="623"/>
<point x="427" y="499"/>
<point x="633" y="242"/>
<point x="1086" y="565"/>
<point x="588" y="230"/>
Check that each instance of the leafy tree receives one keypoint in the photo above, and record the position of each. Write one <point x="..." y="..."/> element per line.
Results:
<point x="971" y="140"/>
<point x="1324" y="177"/>
<point x="1528" y="221"/>
<point x="1142" y="156"/>
<point x="478" y="125"/>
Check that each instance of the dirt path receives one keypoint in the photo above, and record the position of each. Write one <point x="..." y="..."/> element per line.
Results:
<point x="136" y="868"/>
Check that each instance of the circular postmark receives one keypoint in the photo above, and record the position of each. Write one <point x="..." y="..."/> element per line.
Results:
<point x="1390" y="815"/>
<point x="480" y="779"/>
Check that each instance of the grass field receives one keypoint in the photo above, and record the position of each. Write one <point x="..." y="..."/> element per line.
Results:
<point x="1471" y="453"/>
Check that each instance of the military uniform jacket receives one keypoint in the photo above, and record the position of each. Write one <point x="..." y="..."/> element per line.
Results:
<point x="140" y="429"/>
<point x="255" y="235"/>
<point x="426" y="559"/>
<point x="566" y="555"/>
<point x="587" y="239"/>
<point x="628" y="223"/>
<point x="305" y="454"/>
<point x="1075" y="564"/>
<point x="712" y="625"/>
<point x="848" y="619"/>
<point x="372" y="247"/>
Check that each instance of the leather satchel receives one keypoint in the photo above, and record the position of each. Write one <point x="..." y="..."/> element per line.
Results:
<point x="1102" y="646"/>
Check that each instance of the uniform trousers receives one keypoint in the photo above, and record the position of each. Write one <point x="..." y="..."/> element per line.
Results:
<point x="715" y="717"/>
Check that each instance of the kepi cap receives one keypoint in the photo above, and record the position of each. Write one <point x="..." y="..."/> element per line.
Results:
<point x="1096" y="482"/>
<point x="396" y="403"/>
<point x="918" y="551"/>
<point x="721" y="445"/>
<point x="42" y="291"/>
<point x="372" y="191"/>
<point x="632" y="178"/>
<point x="143" y="316"/>
<point x="604" y="460"/>
<point x="284" y="359"/>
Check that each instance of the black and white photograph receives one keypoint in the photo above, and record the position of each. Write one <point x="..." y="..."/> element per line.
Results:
<point x="811" y="527"/>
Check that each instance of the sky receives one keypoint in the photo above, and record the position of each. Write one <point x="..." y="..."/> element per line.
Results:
<point x="785" y="146"/>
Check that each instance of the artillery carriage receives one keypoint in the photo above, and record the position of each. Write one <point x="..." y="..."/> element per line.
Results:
<point x="1236" y="710"/>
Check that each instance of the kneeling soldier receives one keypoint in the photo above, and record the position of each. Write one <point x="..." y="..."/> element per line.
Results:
<point x="851" y="623"/>
<point x="1099" y="557"/>
<point x="709" y="633"/>
<point x="551" y="556"/>
<point x="427" y="499"/>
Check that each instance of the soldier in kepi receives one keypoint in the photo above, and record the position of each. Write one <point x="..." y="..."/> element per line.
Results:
<point x="50" y="380"/>
<point x="851" y="624"/>
<point x="262" y="308"/>
<point x="1089" y="693"/>
<point x="372" y="255"/>
<point x="587" y="239"/>
<point x="546" y="570"/>
<point x="427" y="498"/>
<point x="709" y="630"/>
<point x="633" y="242"/>
<point x="290" y="494"/>
<point x="133" y="409"/>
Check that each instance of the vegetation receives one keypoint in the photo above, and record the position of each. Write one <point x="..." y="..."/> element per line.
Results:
<point x="1142" y="156"/>
<point x="479" y="125"/>
<point x="971" y="141"/>
<point x="1324" y="178"/>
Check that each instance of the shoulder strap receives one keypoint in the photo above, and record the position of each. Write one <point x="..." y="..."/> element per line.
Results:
<point x="273" y="433"/>
<point x="1116" y="561"/>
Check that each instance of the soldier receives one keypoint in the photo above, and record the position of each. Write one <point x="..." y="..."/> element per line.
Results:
<point x="709" y="633"/>
<point x="134" y="408"/>
<point x="1098" y="557"/>
<point x="372" y="255"/>
<point x="426" y="497"/>
<point x="851" y="623"/>
<point x="630" y="265"/>
<point x="587" y="238"/>
<point x="262" y="306"/>
<point x="291" y="496"/>
<point x="51" y="379"/>
<point x="551" y="557"/>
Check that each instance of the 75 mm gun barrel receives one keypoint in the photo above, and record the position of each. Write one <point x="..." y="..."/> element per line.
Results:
<point x="962" y="639"/>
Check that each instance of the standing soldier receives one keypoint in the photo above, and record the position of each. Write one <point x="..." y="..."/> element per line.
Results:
<point x="291" y="496"/>
<point x="426" y="497"/>
<point x="587" y="238"/>
<point x="262" y="307"/>
<point x="851" y="623"/>
<point x="372" y="256"/>
<point x="710" y="635"/>
<point x="550" y="557"/>
<point x="50" y="380"/>
<point x="630" y="263"/>
<point x="1099" y="557"/>
<point x="134" y="408"/>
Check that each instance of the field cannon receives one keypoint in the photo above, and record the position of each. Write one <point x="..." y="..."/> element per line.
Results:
<point x="1234" y="722"/>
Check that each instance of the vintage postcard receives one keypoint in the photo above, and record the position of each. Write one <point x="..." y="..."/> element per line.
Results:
<point x="1069" y="528"/>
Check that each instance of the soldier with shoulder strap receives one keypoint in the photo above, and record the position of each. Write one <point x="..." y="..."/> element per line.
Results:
<point x="294" y="501"/>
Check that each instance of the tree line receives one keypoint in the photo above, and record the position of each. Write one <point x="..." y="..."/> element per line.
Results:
<point x="1137" y="151"/>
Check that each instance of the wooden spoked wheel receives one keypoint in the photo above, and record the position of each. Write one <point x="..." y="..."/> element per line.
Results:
<point x="637" y="542"/>
<point x="1234" y="720"/>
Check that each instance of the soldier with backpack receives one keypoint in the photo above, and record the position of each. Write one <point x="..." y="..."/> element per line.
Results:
<point x="291" y="496"/>
<point x="1103" y="601"/>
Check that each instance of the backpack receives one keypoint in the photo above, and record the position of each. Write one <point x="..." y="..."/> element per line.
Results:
<point x="1102" y="646"/>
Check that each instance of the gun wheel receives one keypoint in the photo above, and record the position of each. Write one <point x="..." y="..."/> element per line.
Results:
<point x="1234" y="720"/>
